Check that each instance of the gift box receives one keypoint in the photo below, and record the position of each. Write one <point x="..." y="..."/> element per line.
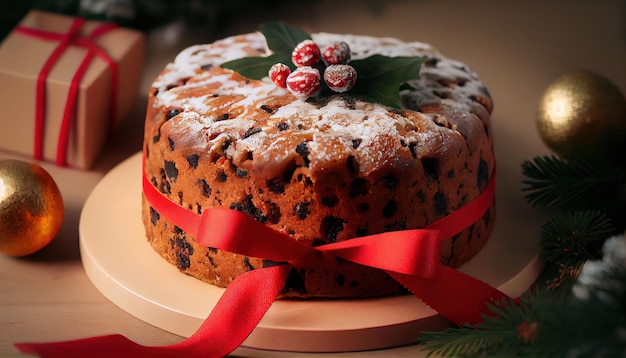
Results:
<point x="66" y="84"/>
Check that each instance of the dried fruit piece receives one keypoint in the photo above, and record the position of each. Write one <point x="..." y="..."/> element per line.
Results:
<point x="304" y="82"/>
<point x="340" y="78"/>
<point x="306" y="53"/>
<point x="278" y="74"/>
<point x="337" y="53"/>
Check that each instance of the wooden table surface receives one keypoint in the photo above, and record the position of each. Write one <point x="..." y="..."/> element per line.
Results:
<point x="517" y="48"/>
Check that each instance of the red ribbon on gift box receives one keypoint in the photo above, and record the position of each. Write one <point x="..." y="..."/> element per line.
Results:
<point x="71" y="37"/>
<point x="412" y="257"/>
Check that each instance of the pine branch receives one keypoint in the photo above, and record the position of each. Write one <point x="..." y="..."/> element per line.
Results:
<point x="458" y="342"/>
<point x="573" y="183"/>
<point x="545" y="325"/>
<point x="587" y="327"/>
<point x="550" y="322"/>
<point x="571" y="237"/>
<point x="559" y="278"/>
<point x="509" y="332"/>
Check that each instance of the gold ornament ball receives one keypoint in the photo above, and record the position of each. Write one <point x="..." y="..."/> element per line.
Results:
<point x="31" y="208"/>
<point x="582" y="113"/>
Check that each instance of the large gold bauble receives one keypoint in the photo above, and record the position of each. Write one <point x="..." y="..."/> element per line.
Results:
<point x="582" y="113"/>
<point x="31" y="208"/>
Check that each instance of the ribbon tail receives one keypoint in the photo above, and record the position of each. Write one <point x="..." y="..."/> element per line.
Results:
<point x="458" y="297"/>
<point x="114" y="345"/>
<point x="237" y="313"/>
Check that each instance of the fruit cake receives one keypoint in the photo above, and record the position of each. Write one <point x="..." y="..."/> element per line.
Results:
<point x="321" y="168"/>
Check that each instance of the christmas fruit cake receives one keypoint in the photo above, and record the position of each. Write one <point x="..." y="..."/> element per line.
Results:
<point x="328" y="139"/>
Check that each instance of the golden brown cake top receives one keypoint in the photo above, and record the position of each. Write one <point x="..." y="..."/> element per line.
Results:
<point x="261" y="125"/>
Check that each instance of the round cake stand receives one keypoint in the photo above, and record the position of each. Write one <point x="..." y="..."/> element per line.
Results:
<point x="122" y="265"/>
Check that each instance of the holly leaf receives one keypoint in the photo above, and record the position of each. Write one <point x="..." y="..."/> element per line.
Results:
<point x="379" y="78"/>
<point x="281" y="40"/>
<point x="253" y="67"/>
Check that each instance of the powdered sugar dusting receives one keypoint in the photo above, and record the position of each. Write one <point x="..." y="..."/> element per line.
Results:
<point x="218" y="105"/>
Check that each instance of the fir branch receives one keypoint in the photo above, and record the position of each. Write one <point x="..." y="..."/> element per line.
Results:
<point x="562" y="277"/>
<point x="587" y="327"/>
<point x="573" y="183"/>
<point x="572" y="237"/>
<point x="500" y="333"/>
<point x="551" y="322"/>
<point x="545" y="325"/>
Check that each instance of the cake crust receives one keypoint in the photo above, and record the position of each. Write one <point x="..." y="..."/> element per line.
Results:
<point x="323" y="170"/>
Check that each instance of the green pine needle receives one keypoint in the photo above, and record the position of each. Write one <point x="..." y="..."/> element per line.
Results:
<point x="575" y="236"/>
<point x="545" y="325"/>
<point x="559" y="278"/>
<point x="504" y="334"/>
<point x="573" y="183"/>
<point x="593" y="326"/>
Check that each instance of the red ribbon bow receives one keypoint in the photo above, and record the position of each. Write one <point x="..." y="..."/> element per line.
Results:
<point x="412" y="257"/>
<point x="71" y="37"/>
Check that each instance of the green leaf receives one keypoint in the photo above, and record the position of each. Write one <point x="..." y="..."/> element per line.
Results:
<point x="379" y="77"/>
<point x="253" y="67"/>
<point x="282" y="38"/>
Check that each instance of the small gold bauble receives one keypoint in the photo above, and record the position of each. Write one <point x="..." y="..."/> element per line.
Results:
<point x="31" y="208"/>
<point x="582" y="113"/>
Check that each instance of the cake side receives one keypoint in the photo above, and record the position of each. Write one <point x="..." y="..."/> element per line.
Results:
<point x="321" y="171"/>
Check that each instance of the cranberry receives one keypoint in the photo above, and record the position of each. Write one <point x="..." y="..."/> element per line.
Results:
<point x="304" y="82"/>
<point x="337" y="53"/>
<point x="278" y="74"/>
<point x="340" y="78"/>
<point x="306" y="53"/>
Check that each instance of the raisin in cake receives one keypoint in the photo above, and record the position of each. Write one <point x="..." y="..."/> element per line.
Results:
<point x="320" y="170"/>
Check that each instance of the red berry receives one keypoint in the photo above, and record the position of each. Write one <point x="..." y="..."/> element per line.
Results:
<point x="340" y="78"/>
<point x="278" y="74"/>
<point x="337" y="53"/>
<point x="304" y="82"/>
<point x="306" y="53"/>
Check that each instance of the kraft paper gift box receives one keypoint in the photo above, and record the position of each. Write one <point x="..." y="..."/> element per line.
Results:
<point x="68" y="133"/>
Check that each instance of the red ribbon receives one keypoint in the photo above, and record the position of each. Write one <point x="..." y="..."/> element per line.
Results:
<point x="412" y="257"/>
<point x="71" y="37"/>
